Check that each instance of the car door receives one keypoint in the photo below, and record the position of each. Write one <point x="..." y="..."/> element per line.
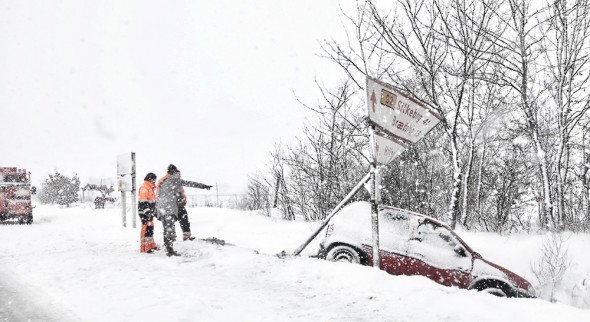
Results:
<point x="434" y="252"/>
<point x="394" y="233"/>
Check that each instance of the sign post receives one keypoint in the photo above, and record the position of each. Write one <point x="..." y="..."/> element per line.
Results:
<point x="397" y="121"/>
<point x="126" y="182"/>
<point x="374" y="211"/>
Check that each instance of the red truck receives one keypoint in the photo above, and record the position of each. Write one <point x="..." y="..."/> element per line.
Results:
<point x="15" y="195"/>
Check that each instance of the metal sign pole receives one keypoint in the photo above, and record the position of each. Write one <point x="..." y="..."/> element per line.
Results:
<point x="374" y="210"/>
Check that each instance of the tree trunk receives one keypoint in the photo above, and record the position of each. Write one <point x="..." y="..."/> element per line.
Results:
<point x="479" y="176"/>
<point x="584" y="175"/>
<point x="559" y="184"/>
<point x="456" y="193"/>
<point x="466" y="179"/>
<point x="544" y="172"/>
<point x="277" y="185"/>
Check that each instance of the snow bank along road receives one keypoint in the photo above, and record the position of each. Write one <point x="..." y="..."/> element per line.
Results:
<point x="82" y="259"/>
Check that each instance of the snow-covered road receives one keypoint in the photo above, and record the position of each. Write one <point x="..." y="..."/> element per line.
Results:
<point x="20" y="302"/>
<point x="84" y="260"/>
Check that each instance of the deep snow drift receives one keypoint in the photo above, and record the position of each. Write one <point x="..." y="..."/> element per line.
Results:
<point x="86" y="264"/>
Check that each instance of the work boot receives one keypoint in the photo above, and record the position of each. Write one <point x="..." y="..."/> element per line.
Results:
<point x="171" y="252"/>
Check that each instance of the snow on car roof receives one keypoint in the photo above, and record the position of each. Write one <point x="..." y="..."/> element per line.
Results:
<point x="353" y="209"/>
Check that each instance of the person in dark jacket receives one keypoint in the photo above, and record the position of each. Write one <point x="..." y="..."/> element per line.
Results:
<point x="169" y="191"/>
<point x="147" y="208"/>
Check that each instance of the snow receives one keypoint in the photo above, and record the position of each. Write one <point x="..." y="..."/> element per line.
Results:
<point x="521" y="141"/>
<point x="88" y="265"/>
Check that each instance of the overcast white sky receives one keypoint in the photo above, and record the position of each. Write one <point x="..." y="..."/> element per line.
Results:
<point x="206" y="85"/>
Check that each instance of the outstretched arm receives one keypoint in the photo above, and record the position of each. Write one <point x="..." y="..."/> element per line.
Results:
<point x="194" y="184"/>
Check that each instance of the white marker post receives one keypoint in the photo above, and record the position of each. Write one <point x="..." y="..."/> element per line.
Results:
<point x="396" y="120"/>
<point x="126" y="182"/>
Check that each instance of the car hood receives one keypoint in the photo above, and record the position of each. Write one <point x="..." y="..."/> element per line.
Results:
<point x="483" y="269"/>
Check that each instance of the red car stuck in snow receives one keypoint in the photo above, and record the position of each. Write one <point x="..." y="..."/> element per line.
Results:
<point x="415" y="244"/>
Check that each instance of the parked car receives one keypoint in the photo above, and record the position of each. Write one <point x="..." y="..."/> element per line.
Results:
<point x="415" y="244"/>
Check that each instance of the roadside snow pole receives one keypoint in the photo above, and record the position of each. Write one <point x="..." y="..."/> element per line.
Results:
<point x="126" y="182"/>
<point x="217" y="196"/>
<point x="124" y="207"/>
<point x="332" y="214"/>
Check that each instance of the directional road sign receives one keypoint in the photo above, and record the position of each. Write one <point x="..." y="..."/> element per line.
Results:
<point x="398" y="114"/>
<point x="387" y="148"/>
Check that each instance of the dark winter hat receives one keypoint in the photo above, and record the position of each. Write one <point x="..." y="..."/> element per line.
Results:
<point x="150" y="176"/>
<point x="172" y="169"/>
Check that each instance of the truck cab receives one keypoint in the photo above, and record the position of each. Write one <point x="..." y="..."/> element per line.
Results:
<point x="15" y="195"/>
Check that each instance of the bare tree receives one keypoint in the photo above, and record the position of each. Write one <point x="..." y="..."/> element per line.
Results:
<point x="567" y="29"/>
<point x="282" y="198"/>
<point x="552" y="264"/>
<point x="327" y="159"/>
<point x="312" y="174"/>
<point x="507" y="77"/>
<point x="519" y="56"/>
<point x="446" y="47"/>
<point x="258" y="195"/>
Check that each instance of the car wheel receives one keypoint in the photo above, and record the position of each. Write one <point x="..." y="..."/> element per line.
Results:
<point x="494" y="288"/>
<point x="343" y="253"/>
<point x="495" y="291"/>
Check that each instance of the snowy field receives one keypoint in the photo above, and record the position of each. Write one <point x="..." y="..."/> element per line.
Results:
<point x="82" y="265"/>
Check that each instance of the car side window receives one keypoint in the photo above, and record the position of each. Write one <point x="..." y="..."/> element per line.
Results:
<point x="435" y="236"/>
<point x="436" y="245"/>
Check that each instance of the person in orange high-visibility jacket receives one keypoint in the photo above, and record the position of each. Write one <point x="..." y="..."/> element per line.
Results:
<point x="147" y="210"/>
